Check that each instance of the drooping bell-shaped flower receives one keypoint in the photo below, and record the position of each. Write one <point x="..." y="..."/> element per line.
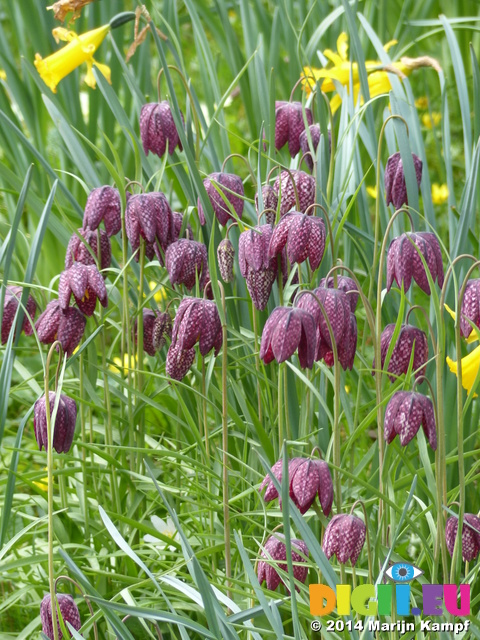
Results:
<point x="256" y="266"/>
<point x="285" y="190"/>
<point x="149" y="318"/>
<point x="68" y="610"/>
<point x="103" y="203"/>
<point x="289" y="124"/>
<point x="470" y="536"/>
<point x="287" y="330"/>
<point x="64" y="426"/>
<point x="470" y="307"/>
<point x="225" y="259"/>
<point x="67" y="326"/>
<point x="79" y="250"/>
<point x="275" y="550"/>
<point x="302" y="235"/>
<point x="187" y="260"/>
<point x="13" y="295"/>
<point x="179" y="361"/>
<point x="315" y="134"/>
<point x="410" y="338"/>
<point x="404" y="263"/>
<point x="148" y="216"/>
<point x="406" y="412"/>
<point x="86" y="284"/>
<point x="307" y="478"/>
<point x="345" y="284"/>
<point x="157" y="128"/>
<point x="270" y="202"/>
<point x="162" y="328"/>
<point x="395" y="186"/>
<point x="177" y="227"/>
<point x="232" y="189"/>
<point x="344" y="537"/>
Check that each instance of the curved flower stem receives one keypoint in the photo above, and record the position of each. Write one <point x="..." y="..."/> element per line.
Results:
<point x="295" y="190"/>
<point x="194" y="111"/>
<point x="51" y="568"/>
<point x="369" y="549"/>
<point x="85" y="597"/>
<point x="247" y="164"/>
<point x="139" y="184"/>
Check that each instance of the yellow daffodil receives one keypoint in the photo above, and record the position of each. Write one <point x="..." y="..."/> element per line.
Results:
<point x="372" y="192"/>
<point x="421" y="103"/>
<point x="159" y="295"/>
<point x="439" y="193"/>
<point x="118" y="368"/>
<point x="3" y="75"/>
<point x="42" y="484"/>
<point x="470" y="366"/>
<point x="473" y="337"/>
<point x="80" y="49"/>
<point x="430" y="120"/>
<point x="342" y="70"/>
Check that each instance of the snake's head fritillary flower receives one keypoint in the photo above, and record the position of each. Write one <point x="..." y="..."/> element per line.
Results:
<point x="256" y="266"/>
<point x="158" y="130"/>
<point x="302" y="235"/>
<point x="64" y="427"/>
<point x="103" y="203"/>
<point x="470" y="307"/>
<point x="270" y="202"/>
<point x="85" y="250"/>
<point x="148" y="216"/>
<point x="162" y="328"/>
<point x="285" y="190"/>
<point x="187" y="260"/>
<point x="315" y="134"/>
<point x="470" y="536"/>
<point x="197" y="320"/>
<point x="149" y="318"/>
<point x="66" y="326"/>
<point x="68" y="610"/>
<point x="225" y="258"/>
<point x="13" y="295"/>
<point x="232" y="189"/>
<point x="344" y="537"/>
<point x="404" y="262"/>
<point x="410" y="338"/>
<point x="179" y="361"/>
<point x="86" y="283"/>
<point x="177" y="227"/>
<point x="395" y="186"/>
<point x="289" y="124"/>
<point x="80" y="49"/>
<point x="307" y="478"/>
<point x="275" y="550"/>
<point x="287" y="330"/>
<point x="345" y="284"/>
<point x="406" y="412"/>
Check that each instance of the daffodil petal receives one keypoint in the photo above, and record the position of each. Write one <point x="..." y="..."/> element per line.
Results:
<point x="104" y="70"/>
<point x="389" y="44"/>
<point x="342" y="46"/>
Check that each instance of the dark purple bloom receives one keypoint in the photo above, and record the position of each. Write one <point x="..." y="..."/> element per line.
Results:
<point x="302" y="235"/>
<point x="285" y="189"/>
<point x="286" y="330"/>
<point x="68" y="610"/>
<point x="256" y="266"/>
<point x="232" y="188"/>
<point x="157" y="128"/>
<point x="86" y="284"/>
<point x="405" y="413"/>
<point x="470" y="307"/>
<point x="270" y="202"/>
<point x="197" y="320"/>
<point x="179" y="361"/>
<point x="289" y="124"/>
<point x="66" y="326"/>
<point x="345" y="284"/>
<point x="344" y="537"/>
<point x="395" y="187"/>
<point x="470" y="537"/>
<point x="64" y="427"/>
<point x="177" y="227"/>
<point x="13" y="295"/>
<point x="276" y="550"/>
<point x="315" y="134"/>
<point x="225" y="256"/>
<point x="186" y="260"/>
<point x="79" y="250"/>
<point x="404" y="263"/>
<point x="148" y="215"/>
<point x="149" y="318"/>
<point x="402" y="351"/>
<point x="103" y="203"/>
<point x="162" y="327"/>
<point x="307" y="478"/>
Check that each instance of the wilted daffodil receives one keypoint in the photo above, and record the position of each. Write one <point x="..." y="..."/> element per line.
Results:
<point x="80" y="49"/>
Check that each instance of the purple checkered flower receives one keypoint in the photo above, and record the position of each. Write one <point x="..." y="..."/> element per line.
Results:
<point x="470" y="536"/>
<point x="68" y="610"/>
<point x="409" y="338"/>
<point x="149" y="318"/>
<point x="162" y="328"/>
<point x="103" y="203"/>
<point x="231" y="187"/>
<point x="179" y="361"/>
<point x="302" y="235"/>
<point x="285" y="190"/>
<point x="276" y="550"/>
<point x="148" y="216"/>
<point x="270" y="202"/>
<point x="405" y="413"/>
<point x="345" y="284"/>
<point x="66" y="326"/>
<point x="225" y="258"/>
<point x="315" y="134"/>
<point x="344" y="537"/>
<point x="186" y="260"/>
<point x="404" y="263"/>
<point x="13" y="295"/>
<point x="157" y="128"/>
<point x="256" y="266"/>
<point x="86" y="284"/>
<point x="177" y="227"/>
<point x="79" y="250"/>
<point x="64" y="427"/>
<point x="286" y="330"/>
<point x="470" y="307"/>
<point x="395" y="186"/>
<point x="289" y="124"/>
<point x="307" y="478"/>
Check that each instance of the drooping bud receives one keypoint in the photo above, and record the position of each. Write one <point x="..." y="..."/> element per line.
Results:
<point x="395" y="186"/>
<point x="79" y="250"/>
<point x="410" y="338"/>
<point x="404" y="263"/>
<point x="103" y="203"/>
<point x="162" y="328"/>
<point x="64" y="426"/>
<point x="406" y="412"/>
<point x="68" y="610"/>
<point x="157" y="128"/>
<point x="275" y="549"/>
<point x="289" y="124"/>
<point x="13" y="295"/>
<point x="285" y="190"/>
<point x="225" y="257"/>
<point x="232" y="189"/>
<point x="344" y="537"/>
<point x="470" y="536"/>
<point x="66" y="326"/>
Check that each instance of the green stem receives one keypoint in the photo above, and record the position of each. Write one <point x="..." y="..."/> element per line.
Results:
<point x="139" y="363"/>
<point x="257" y="361"/>
<point x="84" y="449"/>
<point x="226" y="513"/>
<point x="280" y="406"/>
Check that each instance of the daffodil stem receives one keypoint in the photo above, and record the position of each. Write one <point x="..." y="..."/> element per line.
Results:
<point x="139" y="363"/>
<point x="226" y="512"/>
